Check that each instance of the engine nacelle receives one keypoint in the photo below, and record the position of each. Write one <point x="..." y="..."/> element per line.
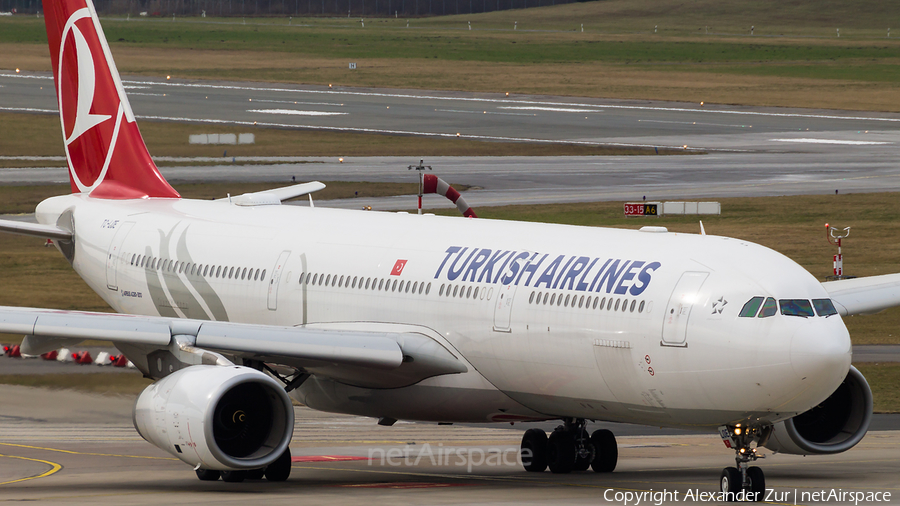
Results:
<point x="215" y="417"/>
<point x="834" y="426"/>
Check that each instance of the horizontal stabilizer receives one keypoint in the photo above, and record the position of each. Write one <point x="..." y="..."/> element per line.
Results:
<point x="35" y="230"/>
<point x="276" y="195"/>
<point x="864" y="295"/>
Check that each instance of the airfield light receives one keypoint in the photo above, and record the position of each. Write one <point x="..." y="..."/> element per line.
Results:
<point x="17" y="71"/>
<point x="685" y="146"/>
<point x="341" y="160"/>
<point x="168" y="77"/>
<point x="457" y="134"/>
<point x="507" y="93"/>
<point x="701" y="104"/>
<point x="329" y="85"/>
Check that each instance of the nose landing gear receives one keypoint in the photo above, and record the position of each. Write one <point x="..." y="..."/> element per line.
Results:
<point x="743" y="482"/>
<point x="569" y="448"/>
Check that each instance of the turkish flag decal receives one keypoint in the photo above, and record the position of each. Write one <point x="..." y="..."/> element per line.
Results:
<point x="398" y="268"/>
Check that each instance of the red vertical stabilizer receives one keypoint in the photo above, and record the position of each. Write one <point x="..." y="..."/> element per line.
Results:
<point x="106" y="154"/>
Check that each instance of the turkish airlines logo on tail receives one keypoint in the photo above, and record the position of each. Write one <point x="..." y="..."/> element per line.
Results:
<point x="88" y="99"/>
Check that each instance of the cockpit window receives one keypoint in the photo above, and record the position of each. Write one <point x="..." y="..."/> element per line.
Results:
<point x="796" y="307"/>
<point x="751" y="307"/>
<point x="769" y="308"/>
<point x="824" y="307"/>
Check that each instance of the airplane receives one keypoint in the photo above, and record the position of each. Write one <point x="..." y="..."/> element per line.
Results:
<point x="236" y="306"/>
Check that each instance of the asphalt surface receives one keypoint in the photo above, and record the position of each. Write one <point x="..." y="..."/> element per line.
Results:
<point x="67" y="447"/>
<point x="753" y="151"/>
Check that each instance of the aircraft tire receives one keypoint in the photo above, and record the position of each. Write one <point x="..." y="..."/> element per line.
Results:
<point x="730" y="483"/>
<point x="534" y="450"/>
<point x="234" y="476"/>
<point x="208" y="475"/>
<point x="280" y="470"/>
<point x="757" y="483"/>
<point x="606" y="452"/>
<point x="561" y="452"/>
<point x="256" y="474"/>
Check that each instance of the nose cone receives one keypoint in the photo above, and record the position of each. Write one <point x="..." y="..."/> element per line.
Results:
<point x="821" y="353"/>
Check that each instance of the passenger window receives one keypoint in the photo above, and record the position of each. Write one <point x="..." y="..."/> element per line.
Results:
<point x="341" y="282"/>
<point x="617" y="304"/>
<point x="415" y="286"/>
<point x="469" y="293"/>
<point x="824" y="307"/>
<point x="596" y="301"/>
<point x="796" y="307"/>
<point x="641" y="307"/>
<point x="328" y="280"/>
<point x="427" y="288"/>
<point x="394" y="286"/>
<point x="581" y="301"/>
<point x="769" y="308"/>
<point x="263" y="275"/>
<point x="546" y="296"/>
<point x="244" y="273"/>
<point x="407" y="288"/>
<point x="441" y="292"/>
<point x="751" y="307"/>
<point x="355" y="279"/>
<point x="624" y="305"/>
<point x="231" y="273"/>
<point x="380" y="284"/>
<point x="367" y="282"/>
<point x="218" y="271"/>
<point x="632" y="305"/>
<point x="475" y="294"/>
<point x="552" y="299"/>
<point x="422" y="286"/>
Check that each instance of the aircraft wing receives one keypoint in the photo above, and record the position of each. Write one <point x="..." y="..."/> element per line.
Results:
<point x="371" y="358"/>
<point x="864" y="295"/>
<point x="35" y="230"/>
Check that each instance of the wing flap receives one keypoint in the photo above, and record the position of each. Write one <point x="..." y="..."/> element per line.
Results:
<point x="864" y="295"/>
<point x="367" y="349"/>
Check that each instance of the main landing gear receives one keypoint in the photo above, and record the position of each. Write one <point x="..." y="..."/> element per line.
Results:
<point x="569" y="448"/>
<point x="743" y="482"/>
<point x="279" y="470"/>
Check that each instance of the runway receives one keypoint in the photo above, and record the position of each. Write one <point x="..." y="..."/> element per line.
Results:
<point x="64" y="447"/>
<point x="753" y="151"/>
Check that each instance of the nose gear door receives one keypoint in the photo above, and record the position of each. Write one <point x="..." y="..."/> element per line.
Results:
<point x="678" y="311"/>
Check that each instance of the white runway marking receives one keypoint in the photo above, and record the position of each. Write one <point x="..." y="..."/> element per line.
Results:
<point x="294" y="102"/>
<point x="707" y="110"/>
<point x="550" y="109"/>
<point x="28" y="109"/>
<point x="484" y="112"/>
<point x="297" y="113"/>
<point x="832" y="141"/>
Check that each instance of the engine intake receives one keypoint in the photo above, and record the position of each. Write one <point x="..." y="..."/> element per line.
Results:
<point x="214" y="417"/>
<point x="837" y="424"/>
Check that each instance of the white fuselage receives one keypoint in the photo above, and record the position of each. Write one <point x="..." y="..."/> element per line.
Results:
<point x="678" y="354"/>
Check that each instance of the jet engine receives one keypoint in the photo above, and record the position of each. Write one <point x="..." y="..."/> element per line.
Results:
<point x="834" y="426"/>
<point x="221" y="418"/>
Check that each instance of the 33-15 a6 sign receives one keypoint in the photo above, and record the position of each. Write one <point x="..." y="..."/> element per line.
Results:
<point x="641" y="209"/>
